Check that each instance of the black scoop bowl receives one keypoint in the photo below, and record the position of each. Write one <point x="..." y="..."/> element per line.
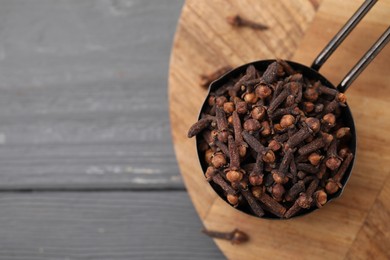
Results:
<point x="346" y="118"/>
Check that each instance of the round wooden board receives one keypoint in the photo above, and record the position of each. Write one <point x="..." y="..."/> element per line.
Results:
<point x="348" y="227"/>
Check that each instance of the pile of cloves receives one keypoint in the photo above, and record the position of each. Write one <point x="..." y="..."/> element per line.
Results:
<point x="274" y="141"/>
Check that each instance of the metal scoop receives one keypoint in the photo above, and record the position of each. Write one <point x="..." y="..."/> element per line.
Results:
<point x="313" y="74"/>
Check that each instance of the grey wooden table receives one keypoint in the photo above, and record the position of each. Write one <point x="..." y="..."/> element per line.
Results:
<point x="87" y="169"/>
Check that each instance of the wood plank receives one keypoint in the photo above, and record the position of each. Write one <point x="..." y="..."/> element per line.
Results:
<point x="373" y="239"/>
<point x="83" y="94"/>
<point x="327" y="233"/>
<point x="90" y="225"/>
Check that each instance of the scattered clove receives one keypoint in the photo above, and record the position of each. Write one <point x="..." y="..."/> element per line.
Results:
<point x="236" y="236"/>
<point x="238" y="21"/>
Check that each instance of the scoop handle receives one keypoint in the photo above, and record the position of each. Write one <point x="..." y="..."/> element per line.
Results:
<point x="340" y="37"/>
<point x="342" y="34"/>
<point x="364" y="61"/>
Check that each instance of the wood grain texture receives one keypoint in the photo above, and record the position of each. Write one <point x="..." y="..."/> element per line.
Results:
<point x="111" y="225"/>
<point x="368" y="99"/>
<point x="83" y="94"/>
<point x="373" y="239"/>
<point x="337" y="230"/>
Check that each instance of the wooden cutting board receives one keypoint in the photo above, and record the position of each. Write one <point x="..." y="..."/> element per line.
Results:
<point x="357" y="224"/>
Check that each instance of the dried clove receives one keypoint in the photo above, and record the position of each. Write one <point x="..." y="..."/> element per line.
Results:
<point x="292" y="110"/>
<point x="272" y="72"/>
<point x="298" y="137"/>
<point x="218" y="160"/>
<point x="312" y="146"/>
<point x="266" y="128"/>
<point x="321" y="171"/>
<point x="304" y="200"/>
<point x="315" y="158"/>
<point x="287" y="121"/>
<point x="256" y="175"/>
<point x="287" y="68"/>
<point x="268" y="180"/>
<point x="228" y="107"/>
<point x="208" y="155"/>
<point x="281" y="138"/>
<point x="301" y="174"/>
<point x="326" y="90"/>
<point x="274" y="145"/>
<point x="251" y="125"/>
<point x="320" y="198"/>
<point x="222" y="147"/>
<point x="257" y="191"/>
<point x="241" y="107"/>
<point x="343" y="152"/>
<point x="279" y="175"/>
<point x="278" y="100"/>
<point x="306" y="167"/>
<point x="233" y="199"/>
<point x="293" y="171"/>
<point x="236" y="236"/>
<point x="234" y="173"/>
<point x="238" y="21"/>
<point x="255" y="206"/>
<point x="311" y="94"/>
<point x="308" y="107"/>
<point x="272" y="205"/>
<point x="222" y="125"/>
<point x="258" y="112"/>
<point x="342" y="132"/>
<point x="328" y="121"/>
<point x="253" y="142"/>
<point x="263" y="91"/>
<point x="333" y="184"/>
<point x="293" y="192"/>
<point x="242" y="146"/>
<point x="333" y="161"/>
<point x="210" y="173"/>
<point x="199" y="126"/>
<point x="277" y="192"/>
<point x="217" y="179"/>
<point x="220" y="100"/>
